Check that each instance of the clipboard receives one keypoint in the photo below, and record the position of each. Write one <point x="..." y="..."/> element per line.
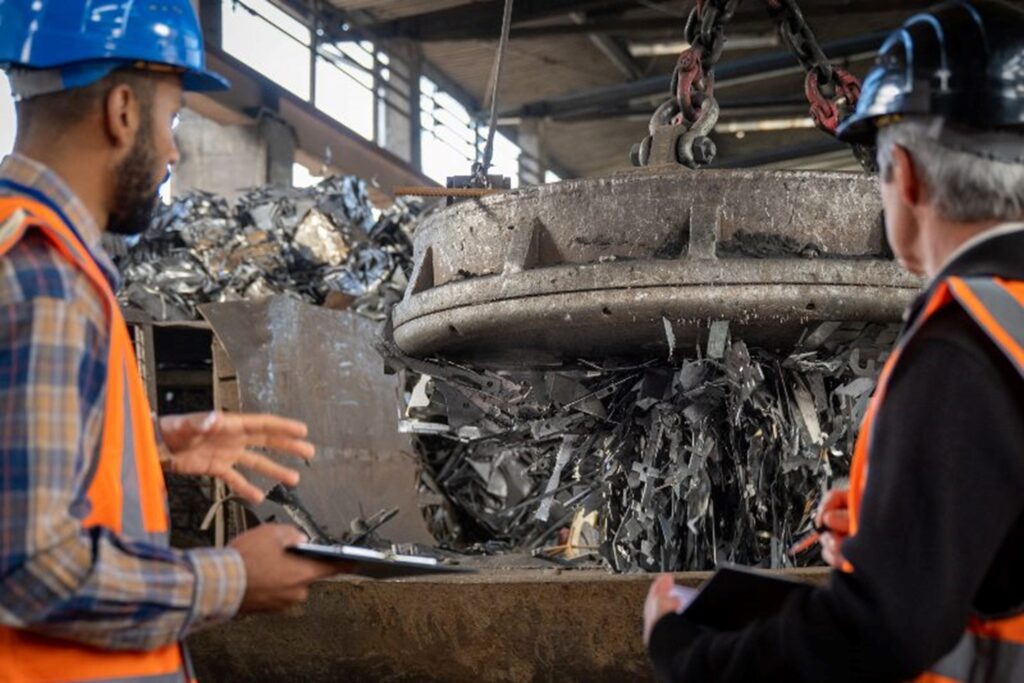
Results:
<point x="736" y="596"/>
<point x="375" y="564"/>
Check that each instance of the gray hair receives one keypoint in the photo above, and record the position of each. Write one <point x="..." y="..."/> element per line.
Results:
<point x="964" y="186"/>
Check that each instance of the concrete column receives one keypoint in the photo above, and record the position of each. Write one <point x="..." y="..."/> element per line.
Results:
<point x="210" y="18"/>
<point x="279" y="140"/>
<point x="531" y="161"/>
<point x="399" y="113"/>
<point x="226" y="159"/>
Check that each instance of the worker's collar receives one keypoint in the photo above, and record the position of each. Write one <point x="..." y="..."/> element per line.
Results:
<point x="997" y="252"/>
<point x="40" y="180"/>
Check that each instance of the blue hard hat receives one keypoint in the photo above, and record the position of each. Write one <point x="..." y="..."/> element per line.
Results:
<point x="84" y="40"/>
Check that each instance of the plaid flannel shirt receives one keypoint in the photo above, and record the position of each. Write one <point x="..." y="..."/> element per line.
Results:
<point x="58" y="578"/>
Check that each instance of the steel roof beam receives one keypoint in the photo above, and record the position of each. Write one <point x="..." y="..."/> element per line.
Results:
<point x="777" y="154"/>
<point x="480" y="20"/>
<point x="594" y="99"/>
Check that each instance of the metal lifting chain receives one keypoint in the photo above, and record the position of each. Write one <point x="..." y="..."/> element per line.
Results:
<point x="692" y="110"/>
<point x="831" y="91"/>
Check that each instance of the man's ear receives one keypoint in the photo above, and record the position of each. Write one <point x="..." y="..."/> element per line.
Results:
<point x="908" y="181"/>
<point x="121" y="116"/>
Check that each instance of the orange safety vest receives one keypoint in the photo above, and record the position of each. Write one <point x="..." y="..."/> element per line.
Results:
<point x="991" y="649"/>
<point x="127" y="494"/>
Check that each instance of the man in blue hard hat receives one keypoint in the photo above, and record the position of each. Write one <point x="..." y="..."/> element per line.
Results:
<point x="89" y="589"/>
<point x="928" y="540"/>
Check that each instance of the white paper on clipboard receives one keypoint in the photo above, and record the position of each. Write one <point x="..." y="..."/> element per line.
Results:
<point x="376" y="564"/>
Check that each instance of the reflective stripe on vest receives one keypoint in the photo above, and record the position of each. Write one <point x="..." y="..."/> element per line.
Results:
<point x="977" y="658"/>
<point x="126" y="492"/>
<point x="990" y="650"/>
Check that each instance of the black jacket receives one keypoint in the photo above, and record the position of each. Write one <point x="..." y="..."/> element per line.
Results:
<point x="942" y="522"/>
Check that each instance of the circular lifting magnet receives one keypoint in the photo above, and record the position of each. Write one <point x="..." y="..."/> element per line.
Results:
<point x="602" y="266"/>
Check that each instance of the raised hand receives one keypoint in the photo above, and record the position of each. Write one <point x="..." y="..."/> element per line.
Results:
<point x="213" y="444"/>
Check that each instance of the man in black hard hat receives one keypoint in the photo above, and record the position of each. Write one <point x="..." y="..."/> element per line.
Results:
<point x="928" y="541"/>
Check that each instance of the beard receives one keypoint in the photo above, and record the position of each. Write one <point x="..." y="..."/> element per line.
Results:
<point x="135" y="186"/>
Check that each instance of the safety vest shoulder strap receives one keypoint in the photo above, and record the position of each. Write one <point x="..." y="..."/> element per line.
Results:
<point x="128" y="447"/>
<point x="19" y="213"/>
<point x="997" y="306"/>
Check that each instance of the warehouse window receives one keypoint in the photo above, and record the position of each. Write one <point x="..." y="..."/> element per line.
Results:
<point x="505" y="160"/>
<point x="451" y="140"/>
<point x="344" y="84"/>
<point x="270" y="41"/>
<point x="303" y="177"/>
<point x="383" y="101"/>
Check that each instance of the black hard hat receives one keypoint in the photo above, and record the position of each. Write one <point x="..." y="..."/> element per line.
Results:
<point x="961" y="61"/>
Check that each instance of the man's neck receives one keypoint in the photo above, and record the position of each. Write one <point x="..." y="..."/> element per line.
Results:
<point x="83" y="178"/>
<point x="945" y="238"/>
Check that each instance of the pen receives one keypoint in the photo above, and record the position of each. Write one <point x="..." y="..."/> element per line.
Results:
<point x="808" y="541"/>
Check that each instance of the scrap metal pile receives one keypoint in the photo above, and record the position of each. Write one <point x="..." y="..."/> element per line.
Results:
<point x="317" y="244"/>
<point x="679" y="465"/>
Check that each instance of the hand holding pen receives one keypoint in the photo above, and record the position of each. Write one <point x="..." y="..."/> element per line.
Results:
<point x="831" y="527"/>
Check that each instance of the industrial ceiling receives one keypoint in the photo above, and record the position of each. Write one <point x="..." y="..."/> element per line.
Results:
<point x="592" y="71"/>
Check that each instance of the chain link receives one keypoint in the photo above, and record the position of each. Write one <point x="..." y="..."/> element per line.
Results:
<point x="831" y="91"/>
<point x="692" y="108"/>
<point x="705" y="28"/>
<point x="800" y="39"/>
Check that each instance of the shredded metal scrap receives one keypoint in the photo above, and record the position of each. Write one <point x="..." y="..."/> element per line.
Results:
<point x="719" y="457"/>
<point x="311" y="243"/>
<point x="362" y="532"/>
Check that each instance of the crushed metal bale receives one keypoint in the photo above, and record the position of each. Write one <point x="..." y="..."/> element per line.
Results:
<point x="721" y="456"/>
<point x="320" y="244"/>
